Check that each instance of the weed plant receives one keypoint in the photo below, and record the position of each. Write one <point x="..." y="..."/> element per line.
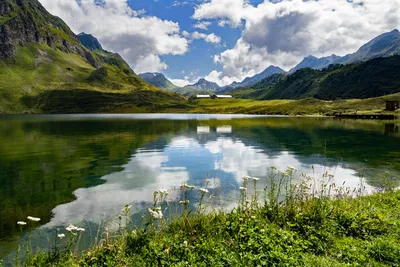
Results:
<point x="305" y="223"/>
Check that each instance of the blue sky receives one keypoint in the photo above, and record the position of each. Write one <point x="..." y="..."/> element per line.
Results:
<point x="199" y="58"/>
<point x="242" y="39"/>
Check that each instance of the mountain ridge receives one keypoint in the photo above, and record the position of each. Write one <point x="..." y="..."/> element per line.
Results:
<point x="384" y="45"/>
<point x="248" y="81"/>
<point x="203" y="84"/>
<point x="159" y="80"/>
<point x="89" y="41"/>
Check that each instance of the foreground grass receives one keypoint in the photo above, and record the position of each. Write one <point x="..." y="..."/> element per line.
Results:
<point x="304" y="228"/>
<point x="292" y="107"/>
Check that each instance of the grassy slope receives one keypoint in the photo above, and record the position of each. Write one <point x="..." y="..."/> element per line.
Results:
<point x="39" y="70"/>
<point x="300" y="230"/>
<point x="373" y="78"/>
<point x="291" y="107"/>
<point x="161" y="82"/>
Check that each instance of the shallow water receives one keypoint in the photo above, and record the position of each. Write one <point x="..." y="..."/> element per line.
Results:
<point x="83" y="169"/>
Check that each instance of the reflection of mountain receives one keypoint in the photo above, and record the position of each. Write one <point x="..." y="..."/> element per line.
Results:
<point x="43" y="162"/>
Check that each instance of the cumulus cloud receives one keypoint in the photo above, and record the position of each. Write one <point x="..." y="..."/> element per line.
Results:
<point x="191" y="78"/>
<point x="180" y="82"/>
<point x="209" y="38"/>
<point x="202" y="25"/>
<point x="139" y="39"/>
<point x="284" y="32"/>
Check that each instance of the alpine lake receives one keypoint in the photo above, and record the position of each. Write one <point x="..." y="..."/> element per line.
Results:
<point x="84" y="169"/>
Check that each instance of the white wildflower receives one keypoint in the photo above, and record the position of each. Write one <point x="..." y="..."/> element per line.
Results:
<point x="34" y="219"/>
<point x="80" y="229"/>
<point x="185" y="244"/>
<point x="61" y="236"/>
<point x="156" y="214"/>
<point x="185" y="185"/>
<point x="291" y="168"/>
<point x="21" y="223"/>
<point x="184" y="202"/>
<point x="208" y="180"/>
<point x="163" y="191"/>
<point x="71" y="228"/>
<point x="246" y="178"/>
<point x="242" y="188"/>
<point x="204" y="190"/>
<point x="256" y="179"/>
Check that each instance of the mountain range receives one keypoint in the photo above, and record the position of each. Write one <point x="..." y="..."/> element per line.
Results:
<point x="372" y="78"/>
<point x="384" y="45"/>
<point x="45" y="67"/>
<point x="271" y="70"/>
<point x="202" y="86"/>
<point x="372" y="71"/>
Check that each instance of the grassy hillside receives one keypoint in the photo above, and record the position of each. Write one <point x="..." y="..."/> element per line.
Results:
<point x="308" y="106"/>
<point x="373" y="78"/>
<point x="38" y="71"/>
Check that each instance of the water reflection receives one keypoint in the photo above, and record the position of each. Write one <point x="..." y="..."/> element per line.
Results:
<point x="83" y="169"/>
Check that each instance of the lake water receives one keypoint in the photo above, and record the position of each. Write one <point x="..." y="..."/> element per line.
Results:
<point x="83" y="169"/>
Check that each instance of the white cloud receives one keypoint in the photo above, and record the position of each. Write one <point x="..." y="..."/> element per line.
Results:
<point x="202" y="25"/>
<point x="219" y="78"/>
<point x="179" y="3"/>
<point x="120" y="188"/>
<point x="147" y="62"/>
<point x="139" y="40"/>
<point x="180" y="82"/>
<point x="192" y="78"/>
<point x="284" y="32"/>
<point x="209" y="38"/>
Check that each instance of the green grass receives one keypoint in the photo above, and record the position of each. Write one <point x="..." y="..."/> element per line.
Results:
<point x="286" y="225"/>
<point x="292" y="107"/>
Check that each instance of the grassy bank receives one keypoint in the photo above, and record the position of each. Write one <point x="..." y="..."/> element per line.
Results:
<point x="283" y="225"/>
<point x="292" y="107"/>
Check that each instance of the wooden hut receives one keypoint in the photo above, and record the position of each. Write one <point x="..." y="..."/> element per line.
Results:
<point x="392" y="105"/>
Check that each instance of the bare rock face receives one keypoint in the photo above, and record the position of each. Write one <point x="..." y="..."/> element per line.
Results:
<point x="5" y="7"/>
<point x="27" y="21"/>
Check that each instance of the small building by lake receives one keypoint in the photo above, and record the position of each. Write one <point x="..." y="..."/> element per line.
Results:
<point x="392" y="105"/>
<point x="203" y="96"/>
